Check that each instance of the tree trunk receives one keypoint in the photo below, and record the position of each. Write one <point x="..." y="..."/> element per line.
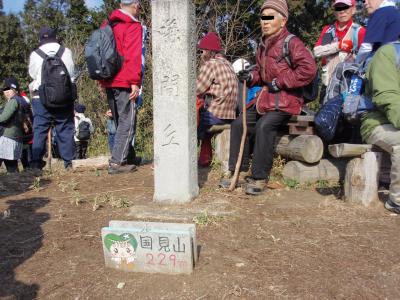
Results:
<point x="361" y="181"/>
<point x="348" y="150"/>
<point x="329" y="170"/>
<point x="307" y="148"/>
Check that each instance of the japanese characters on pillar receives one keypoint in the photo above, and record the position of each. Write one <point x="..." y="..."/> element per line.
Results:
<point x="150" y="247"/>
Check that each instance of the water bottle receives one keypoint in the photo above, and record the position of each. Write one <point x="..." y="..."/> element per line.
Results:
<point x="352" y="99"/>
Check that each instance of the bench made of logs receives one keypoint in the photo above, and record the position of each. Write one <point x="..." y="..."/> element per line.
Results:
<point x="300" y="125"/>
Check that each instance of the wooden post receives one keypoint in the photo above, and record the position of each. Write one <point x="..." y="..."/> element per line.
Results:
<point x="330" y="170"/>
<point x="222" y="143"/>
<point x="361" y="181"/>
<point x="242" y="142"/>
<point x="49" y="136"/>
<point x="307" y="148"/>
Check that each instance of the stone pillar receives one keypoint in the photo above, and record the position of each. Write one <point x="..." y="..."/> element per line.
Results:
<point x="174" y="97"/>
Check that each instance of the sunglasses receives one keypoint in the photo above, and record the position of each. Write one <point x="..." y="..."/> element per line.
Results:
<point x="342" y="8"/>
<point x="6" y="89"/>
<point x="267" y="18"/>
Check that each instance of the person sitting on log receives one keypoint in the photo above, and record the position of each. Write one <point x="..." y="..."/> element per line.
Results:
<point x="217" y="86"/>
<point x="381" y="127"/>
<point x="281" y="95"/>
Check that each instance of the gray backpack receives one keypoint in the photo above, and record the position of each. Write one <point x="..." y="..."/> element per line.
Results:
<point x="101" y="55"/>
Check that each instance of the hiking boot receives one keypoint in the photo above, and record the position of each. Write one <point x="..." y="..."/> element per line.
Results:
<point x="255" y="187"/>
<point x="393" y="207"/>
<point x="226" y="180"/>
<point x="117" y="169"/>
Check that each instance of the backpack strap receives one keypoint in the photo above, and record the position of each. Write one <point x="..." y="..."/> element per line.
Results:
<point x="332" y="31"/>
<point x="60" y="51"/>
<point x="356" y="29"/>
<point x="41" y="53"/>
<point x="285" y="50"/>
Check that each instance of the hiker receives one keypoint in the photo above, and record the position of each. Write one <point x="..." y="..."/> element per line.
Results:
<point x="110" y="129"/>
<point x="46" y="112"/>
<point x="11" y="121"/>
<point x="217" y="86"/>
<point x="338" y="42"/>
<point x="83" y="131"/>
<point x="383" y="27"/>
<point x="123" y="89"/>
<point x="281" y="96"/>
<point x="381" y="126"/>
<point x="27" y="138"/>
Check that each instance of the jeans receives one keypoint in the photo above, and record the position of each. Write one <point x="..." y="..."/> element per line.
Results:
<point x="263" y="132"/>
<point x="388" y="138"/>
<point x="124" y="112"/>
<point x="63" y="121"/>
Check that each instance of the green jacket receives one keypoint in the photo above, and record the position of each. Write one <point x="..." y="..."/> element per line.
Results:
<point x="11" y="120"/>
<point x="383" y="85"/>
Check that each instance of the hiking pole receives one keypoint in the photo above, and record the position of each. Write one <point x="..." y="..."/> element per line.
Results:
<point x="49" y="148"/>
<point x="244" y="134"/>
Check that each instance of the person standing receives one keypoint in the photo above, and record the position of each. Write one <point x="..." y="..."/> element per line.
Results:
<point x="123" y="89"/>
<point x="383" y="27"/>
<point x="83" y="131"/>
<point x="338" y="42"/>
<point x="44" y="115"/>
<point x="11" y="120"/>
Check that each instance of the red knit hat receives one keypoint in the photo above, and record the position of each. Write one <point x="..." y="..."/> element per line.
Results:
<point x="278" y="5"/>
<point x="210" y="42"/>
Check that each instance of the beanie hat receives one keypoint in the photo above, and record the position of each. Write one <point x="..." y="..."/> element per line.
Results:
<point x="210" y="42"/>
<point x="47" y="35"/>
<point x="10" y="83"/>
<point x="240" y="64"/>
<point x="80" y="108"/>
<point x="278" y="5"/>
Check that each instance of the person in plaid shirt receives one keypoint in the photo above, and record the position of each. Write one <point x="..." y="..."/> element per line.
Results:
<point x="217" y="92"/>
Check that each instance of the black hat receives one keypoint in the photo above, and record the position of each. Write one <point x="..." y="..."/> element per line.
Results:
<point x="80" y="108"/>
<point x="10" y="83"/>
<point x="47" y="35"/>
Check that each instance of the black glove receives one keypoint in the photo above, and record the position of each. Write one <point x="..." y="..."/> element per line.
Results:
<point x="245" y="75"/>
<point x="272" y="87"/>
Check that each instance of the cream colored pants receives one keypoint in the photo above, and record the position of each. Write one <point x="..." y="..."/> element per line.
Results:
<point x="388" y="138"/>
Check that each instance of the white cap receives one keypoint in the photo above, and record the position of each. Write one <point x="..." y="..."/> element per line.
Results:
<point x="240" y="64"/>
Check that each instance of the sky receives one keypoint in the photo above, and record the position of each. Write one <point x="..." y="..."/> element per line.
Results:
<point x="15" y="6"/>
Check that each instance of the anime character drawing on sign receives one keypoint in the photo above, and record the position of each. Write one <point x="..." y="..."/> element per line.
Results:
<point x="122" y="248"/>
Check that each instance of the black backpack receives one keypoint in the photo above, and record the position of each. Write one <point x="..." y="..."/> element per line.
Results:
<point x="26" y="117"/>
<point x="56" y="90"/>
<point x="83" y="133"/>
<point x="101" y="55"/>
<point x="310" y="91"/>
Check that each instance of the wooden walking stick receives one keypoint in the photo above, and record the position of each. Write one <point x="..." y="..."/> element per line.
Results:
<point x="244" y="134"/>
<point x="49" y="148"/>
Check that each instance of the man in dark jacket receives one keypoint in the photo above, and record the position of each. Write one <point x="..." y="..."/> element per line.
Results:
<point x="123" y="89"/>
<point x="281" y="95"/>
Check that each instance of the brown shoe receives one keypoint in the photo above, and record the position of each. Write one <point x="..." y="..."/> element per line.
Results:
<point x="255" y="187"/>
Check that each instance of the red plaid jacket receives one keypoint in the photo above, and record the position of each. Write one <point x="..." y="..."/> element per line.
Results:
<point x="218" y="79"/>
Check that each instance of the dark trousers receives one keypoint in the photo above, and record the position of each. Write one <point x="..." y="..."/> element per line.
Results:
<point x="263" y="132"/>
<point x="11" y="165"/>
<point x="26" y="156"/>
<point x="124" y="112"/>
<point x="63" y="121"/>
<point x="81" y="149"/>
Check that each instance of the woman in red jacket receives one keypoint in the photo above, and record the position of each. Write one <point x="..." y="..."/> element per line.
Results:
<point x="281" y="96"/>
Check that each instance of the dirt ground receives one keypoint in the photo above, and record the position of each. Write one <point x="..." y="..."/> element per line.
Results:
<point x="287" y="244"/>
